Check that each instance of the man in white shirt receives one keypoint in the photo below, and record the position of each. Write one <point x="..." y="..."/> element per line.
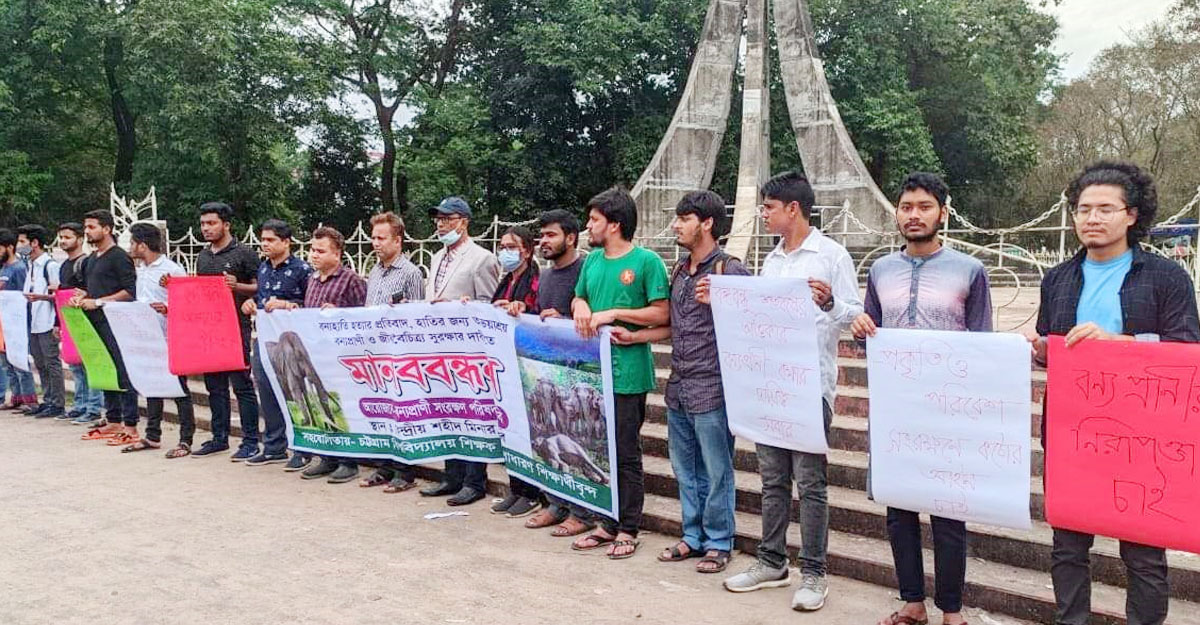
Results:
<point x="146" y="245"/>
<point x="803" y="252"/>
<point x="40" y="281"/>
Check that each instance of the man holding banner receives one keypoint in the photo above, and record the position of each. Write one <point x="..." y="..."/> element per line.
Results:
<point x="1112" y="290"/>
<point x="12" y="278"/>
<point x="146" y="245"/>
<point x="803" y="253"/>
<point x="283" y="277"/>
<point x="85" y="408"/>
<point x="925" y="286"/>
<point x="624" y="286"/>
<point x="460" y="270"/>
<point x="41" y="280"/>
<point x="332" y="286"/>
<point x="226" y="256"/>
<point x="111" y="277"/>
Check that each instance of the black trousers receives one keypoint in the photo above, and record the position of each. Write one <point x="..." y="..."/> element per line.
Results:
<point x="187" y="416"/>
<point x="631" y="483"/>
<point x="464" y="473"/>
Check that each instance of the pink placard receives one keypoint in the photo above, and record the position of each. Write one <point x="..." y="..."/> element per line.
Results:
<point x="70" y="355"/>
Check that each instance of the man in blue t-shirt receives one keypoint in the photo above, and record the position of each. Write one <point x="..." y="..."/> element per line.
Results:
<point x="12" y="278"/>
<point x="1113" y="290"/>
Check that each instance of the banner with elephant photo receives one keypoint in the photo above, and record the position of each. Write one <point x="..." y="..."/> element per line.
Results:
<point x="423" y="382"/>
<point x="567" y="445"/>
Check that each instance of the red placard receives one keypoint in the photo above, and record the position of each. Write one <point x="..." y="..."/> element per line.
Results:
<point x="202" y="326"/>
<point x="1122" y="430"/>
<point x="69" y="354"/>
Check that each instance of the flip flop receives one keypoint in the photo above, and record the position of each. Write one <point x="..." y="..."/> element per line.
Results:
<point x="896" y="618"/>
<point x="624" y="543"/>
<point x="141" y="445"/>
<point x="599" y="541"/>
<point x="122" y="438"/>
<point x="563" y="530"/>
<point x="179" y="451"/>
<point x="374" y="479"/>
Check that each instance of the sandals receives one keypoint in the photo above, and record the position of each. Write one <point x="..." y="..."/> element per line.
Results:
<point x="598" y="541"/>
<point x="99" y="434"/>
<point x="677" y="554"/>
<point x="398" y="485"/>
<point x="617" y="544"/>
<point x="897" y="618"/>
<point x="573" y="526"/>
<point x="179" y="451"/>
<point x="376" y="478"/>
<point x="123" y="438"/>
<point x="544" y="518"/>
<point x="141" y="445"/>
<point x="713" y="557"/>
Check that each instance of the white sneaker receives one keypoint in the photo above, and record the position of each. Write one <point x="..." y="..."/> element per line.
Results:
<point x="812" y="593"/>
<point x="758" y="576"/>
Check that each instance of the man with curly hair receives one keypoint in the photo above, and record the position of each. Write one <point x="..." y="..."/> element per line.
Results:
<point x="1113" y="290"/>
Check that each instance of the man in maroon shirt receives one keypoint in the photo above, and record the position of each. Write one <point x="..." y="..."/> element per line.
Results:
<point x="332" y="285"/>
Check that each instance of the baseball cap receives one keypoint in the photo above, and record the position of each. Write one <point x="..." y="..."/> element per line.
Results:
<point x="451" y="206"/>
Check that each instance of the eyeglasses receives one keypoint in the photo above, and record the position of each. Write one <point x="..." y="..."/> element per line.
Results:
<point x="445" y="219"/>
<point x="1103" y="211"/>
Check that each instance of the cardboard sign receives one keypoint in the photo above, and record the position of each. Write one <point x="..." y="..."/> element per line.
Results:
<point x="203" y="335"/>
<point x="97" y="362"/>
<point x="1123" y="427"/>
<point x="14" y="317"/>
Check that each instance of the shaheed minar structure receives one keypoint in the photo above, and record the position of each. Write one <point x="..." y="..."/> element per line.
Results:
<point x="687" y="154"/>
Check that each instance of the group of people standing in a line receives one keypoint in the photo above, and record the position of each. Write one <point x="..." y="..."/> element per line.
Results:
<point x="1111" y="290"/>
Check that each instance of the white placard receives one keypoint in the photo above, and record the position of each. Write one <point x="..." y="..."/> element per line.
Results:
<point x="770" y="363"/>
<point x="950" y="424"/>
<point x="143" y="343"/>
<point x="14" y="318"/>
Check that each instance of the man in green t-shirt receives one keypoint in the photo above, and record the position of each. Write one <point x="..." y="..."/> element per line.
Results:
<point x="624" y="286"/>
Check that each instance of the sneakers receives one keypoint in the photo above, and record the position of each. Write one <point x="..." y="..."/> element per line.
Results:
<point x="812" y="593"/>
<point x="502" y="506"/>
<point x="209" y="449"/>
<point x="757" y="577"/>
<point x="33" y="410"/>
<point x="243" y="454"/>
<point x="298" y="463"/>
<point x="48" y="412"/>
<point x="344" y="473"/>
<point x="325" y="467"/>
<point x="265" y="458"/>
<point x="92" y="420"/>
<point x="68" y="416"/>
<point x="524" y="506"/>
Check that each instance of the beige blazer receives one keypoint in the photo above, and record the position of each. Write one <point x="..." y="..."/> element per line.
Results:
<point x="474" y="272"/>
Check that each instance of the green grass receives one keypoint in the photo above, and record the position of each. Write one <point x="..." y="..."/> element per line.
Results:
<point x="314" y="405"/>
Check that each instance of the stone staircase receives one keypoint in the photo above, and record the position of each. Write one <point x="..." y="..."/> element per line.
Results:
<point x="1008" y="571"/>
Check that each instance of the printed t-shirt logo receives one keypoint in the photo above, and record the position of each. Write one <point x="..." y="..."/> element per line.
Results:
<point x="627" y="277"/>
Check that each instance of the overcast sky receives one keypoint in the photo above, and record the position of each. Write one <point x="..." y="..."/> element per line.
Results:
<point x="1088" y="26"/>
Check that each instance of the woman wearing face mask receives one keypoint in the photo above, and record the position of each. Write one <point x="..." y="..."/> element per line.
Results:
<point x="518" y="284"/>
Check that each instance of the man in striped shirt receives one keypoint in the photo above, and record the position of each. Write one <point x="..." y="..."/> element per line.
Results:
<point x="332" y="286"/>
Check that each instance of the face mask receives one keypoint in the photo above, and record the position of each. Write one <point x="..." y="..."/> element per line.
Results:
<point x="24" y="250"/>
<point x="450" y="238"/>
<point x="509" y="259"/>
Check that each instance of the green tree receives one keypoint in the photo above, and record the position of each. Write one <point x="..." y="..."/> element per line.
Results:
<point x="338" y="184"/>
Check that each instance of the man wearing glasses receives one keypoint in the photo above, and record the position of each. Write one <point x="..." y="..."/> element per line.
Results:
<point x="461" y="270"/>
<point x="1112" y="290"/>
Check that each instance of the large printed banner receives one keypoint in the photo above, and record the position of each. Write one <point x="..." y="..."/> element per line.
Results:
<point x="770" y="364"/>
<point x="1123" y="426"/>
<point x="69" y="353"/>
<point x="425" y="382"/>
<point x="567" y="443"/>
<point x="142" y="340"/>
<point x="950" y="421"/>
<point x="202" y="327"/>
<point x="14" y="316"/>
<point x="97" y="362"/>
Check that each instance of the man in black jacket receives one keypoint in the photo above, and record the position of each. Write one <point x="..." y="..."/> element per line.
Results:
<point x="1113" y="290"/>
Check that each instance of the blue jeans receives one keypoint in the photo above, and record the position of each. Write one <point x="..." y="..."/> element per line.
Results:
<point x="701" y="448"/>
<point x="87" y="400"/>
<point x="20" y="382"/>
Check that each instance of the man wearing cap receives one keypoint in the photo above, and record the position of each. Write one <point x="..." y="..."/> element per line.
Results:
<point x="460" y="270"/>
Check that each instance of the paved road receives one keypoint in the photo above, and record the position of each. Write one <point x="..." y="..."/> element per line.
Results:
<point x="94" y="536"/>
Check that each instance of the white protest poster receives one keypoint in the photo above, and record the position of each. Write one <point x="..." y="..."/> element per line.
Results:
<point x="567" y="445"/>
<point x="142" y="340"/>
<point x="14" y="320"/>
<point x="415" y="382"/>
<point x="950" y="423"/>
<point x="770" y="363"/>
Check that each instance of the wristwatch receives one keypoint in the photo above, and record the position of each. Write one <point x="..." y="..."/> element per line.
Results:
<point x="99" y="303"/>
<point x="828" y="305"/>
